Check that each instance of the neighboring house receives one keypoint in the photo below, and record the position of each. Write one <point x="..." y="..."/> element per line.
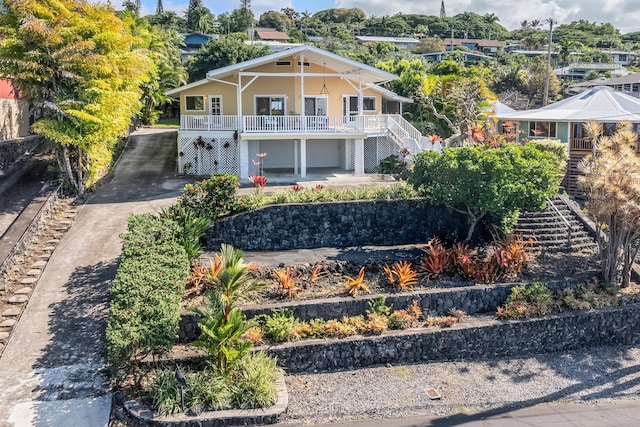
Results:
<point x="488" y="47"/>
<point x="468" y="57"/>
<point x="564" y="120"/>
<point x="408" y="43"/>
<point x="579" y="70"/>
<point x="269" y="34"/>
<point x="629" y="84"/>
<point x="273" y="46"/>
<point x="14" y="112"/>
<point x="305" y="107"/>
<point x="193" y="42"/>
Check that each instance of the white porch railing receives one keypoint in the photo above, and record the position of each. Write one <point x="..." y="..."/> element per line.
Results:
<point x="207" y="122"/>
<point x="297" y="124"/>
<point x="402" y="131"/>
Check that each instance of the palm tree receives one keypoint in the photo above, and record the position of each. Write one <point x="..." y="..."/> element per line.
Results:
<point x="490" y="19"/>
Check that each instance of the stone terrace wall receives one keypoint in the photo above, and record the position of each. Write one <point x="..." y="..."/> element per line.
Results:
<point x="336" y="224"/>
<point x="490" y="338"/>
<point x="434" y="302"/>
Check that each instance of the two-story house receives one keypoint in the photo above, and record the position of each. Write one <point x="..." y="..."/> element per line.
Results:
<point x="306" y="108"/>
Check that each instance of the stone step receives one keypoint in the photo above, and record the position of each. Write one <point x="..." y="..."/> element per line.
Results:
<point x="18" y="299"/>
<point x="44" y="257"/>
<point x="29" y="281"/>
<point x="23" y="291"/>
<point x="49" y="248"/>
<point x="8" y="323"/>
<point x="34" y="272"/>
<point x="12" y="312"/>
<point x="541" y="237"/>
<point x="39" y="264"/>
<point x="4" y="336"/>
<point x="53" y="241"/>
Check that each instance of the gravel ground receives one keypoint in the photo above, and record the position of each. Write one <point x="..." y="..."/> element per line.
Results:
<point x="592" y="376"/>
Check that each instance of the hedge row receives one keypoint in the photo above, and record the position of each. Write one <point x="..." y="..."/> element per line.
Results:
<point x="145" y="294"/>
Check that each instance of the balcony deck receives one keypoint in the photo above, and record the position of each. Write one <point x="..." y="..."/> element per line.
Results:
<point x="285" y="124"/>
<point x="583" y="146"/>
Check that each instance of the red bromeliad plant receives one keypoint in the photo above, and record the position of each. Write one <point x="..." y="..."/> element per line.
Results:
<point x="435" y="259"/>
<point x="401" y="275"/>
<point x="287" y="281"/>
<point x="297" y="187"/>
<point x="258" y="181"/>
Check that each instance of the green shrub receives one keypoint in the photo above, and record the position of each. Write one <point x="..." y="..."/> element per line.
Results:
<point x="391" y="165"/>
<point x="204" y="387"/>
<point x="191" y="228"/>
<point x="278" y="325"/>
<point x="145" y="294"/>
<point x="491" y="185"/>
<point x="378" y="306"/>
<point x="211" y="198"/>
<point x="254" y="381"/>
<point x="527" y="301"/>
<point x="398" y="191"/>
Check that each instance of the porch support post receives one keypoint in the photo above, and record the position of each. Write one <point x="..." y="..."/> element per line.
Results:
<point x="359" y="156"/>
<point x="303" y="158"/>
<point x="296" y="157"/>
<point x="240" y="123"/>
<point x="244" y="159"/>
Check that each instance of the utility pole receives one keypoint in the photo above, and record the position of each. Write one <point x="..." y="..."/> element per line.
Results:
<point x="545" y="95"/>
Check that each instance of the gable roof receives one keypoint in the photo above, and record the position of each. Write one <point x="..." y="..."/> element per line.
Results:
<point x="334" y="62"/>
<point x="600" y="103"/>
<point x="272" y="35"/>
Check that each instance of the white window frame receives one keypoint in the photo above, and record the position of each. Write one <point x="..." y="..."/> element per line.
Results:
<point x="284" y="104"/>
<point x="316" y="97"/>
<point x="211" y="99"/>
<point x="204" y="104"/>
<point x="364" y="109"/>
<point x="347" y="101"/>
<point x="548" y="135"/>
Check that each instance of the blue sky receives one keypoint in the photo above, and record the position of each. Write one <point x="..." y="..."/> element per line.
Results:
<point x="622" y="14"/>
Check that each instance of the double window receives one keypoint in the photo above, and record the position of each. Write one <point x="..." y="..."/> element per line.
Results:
<point x="542" y="129"/>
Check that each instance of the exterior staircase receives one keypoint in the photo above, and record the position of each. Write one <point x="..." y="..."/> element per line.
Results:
<point x="556" y="229"/>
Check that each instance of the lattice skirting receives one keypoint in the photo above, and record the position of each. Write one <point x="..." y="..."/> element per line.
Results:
<point x="376" y="149"/>
<point x="213" y="153"/>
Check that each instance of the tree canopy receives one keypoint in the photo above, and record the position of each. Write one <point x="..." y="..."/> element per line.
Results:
<point x="82" y="68"/>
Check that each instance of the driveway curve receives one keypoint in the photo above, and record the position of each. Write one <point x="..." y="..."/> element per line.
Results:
<point x="53" y="369"/>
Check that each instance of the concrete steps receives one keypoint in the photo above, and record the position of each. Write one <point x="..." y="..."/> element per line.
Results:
<point x="550" y="232"/>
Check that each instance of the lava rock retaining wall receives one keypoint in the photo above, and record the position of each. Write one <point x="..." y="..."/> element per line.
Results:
<point x="434" y="302"/>
<point x="337" y="224"/>
<point x="483" y="339"/>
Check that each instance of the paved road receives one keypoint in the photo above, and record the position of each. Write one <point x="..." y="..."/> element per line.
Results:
<point x="52" y="372"/>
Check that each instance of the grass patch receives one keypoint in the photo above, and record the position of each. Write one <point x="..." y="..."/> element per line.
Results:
<point x="173" y="123"/>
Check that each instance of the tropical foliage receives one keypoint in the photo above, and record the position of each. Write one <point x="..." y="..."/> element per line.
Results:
<point x="82" y="68"/>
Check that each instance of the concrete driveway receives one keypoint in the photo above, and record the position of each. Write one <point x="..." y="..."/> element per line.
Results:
<point x="52" y="371"/>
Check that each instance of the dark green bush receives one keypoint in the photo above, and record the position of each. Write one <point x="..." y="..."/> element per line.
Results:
<point x="191" y="228"/>
<point x="211" y="198"/>
<point x="488" y="184"/>
<point x="145" y="294"/>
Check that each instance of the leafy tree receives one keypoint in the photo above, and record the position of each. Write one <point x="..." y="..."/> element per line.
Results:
<point x="430" y="44"/>
<point x="168" y="71"/>
<point x="612" y="183"/>
<point x="277" y="20"/>
<point x="168" y="20"/>
<point x="535" y="76"/>
<point x="491" y="184"/>
<point x="215" y="54"/>
<point x="82" y="67"/>
<point x="201" y="20"/>
<point x="457" y="96"/>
